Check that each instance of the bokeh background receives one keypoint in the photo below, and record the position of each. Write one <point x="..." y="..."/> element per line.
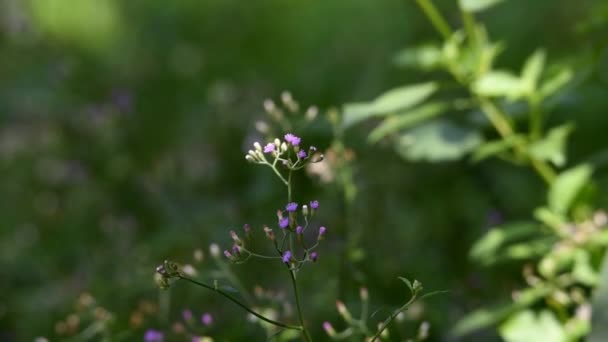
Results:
<point x="123" y="127"/>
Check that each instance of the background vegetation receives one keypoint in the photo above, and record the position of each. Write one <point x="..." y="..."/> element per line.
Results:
<point x="123" y="126"/>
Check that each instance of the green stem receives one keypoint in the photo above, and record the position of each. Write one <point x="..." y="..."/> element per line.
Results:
<point x="236" y="301"/>
<point x="440" y="24"/>
<point x="536" y="118"/>
<point x="390" y="318"/>
<point x="305" y="334"/>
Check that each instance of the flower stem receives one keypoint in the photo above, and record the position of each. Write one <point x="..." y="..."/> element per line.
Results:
<point x="237" y="302"/>
<point x="390" y="318"/>
<point x="305" y="334"/>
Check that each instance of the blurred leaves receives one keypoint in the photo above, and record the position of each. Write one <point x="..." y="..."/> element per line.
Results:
<point x="491" y="247"/>
<point x="567" y="186"/>
<point x="527" y="326"/>
<point x="397" y="99"/>
<point x="407" y="119"/>
<point x="437" y="141"/>
<point x="553" y="146"/>
<point x="499" y="83"/>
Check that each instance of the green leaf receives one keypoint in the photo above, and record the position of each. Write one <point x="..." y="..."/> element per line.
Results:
<point x="437" y="141"/>
<point x="552" y="147"/>
<point x="424" y="57"/>
<point x="391" y="101"/>
<point x="532" y="70"/>
<point x="408" y="283"/>
<point x="499" y="83"/>
<point x="488" y="246"/>
<point x="526" y="326"/>
<point x="406" y="119"/>
<point x="566" y="186"/>
<point x="599" y="306"/>
<point x="482" y="318"/>
<point x="477" y="5"/>
<point x="583" y="270"/>
<point x="556" y="82"/>
<point x="495" y="147"/>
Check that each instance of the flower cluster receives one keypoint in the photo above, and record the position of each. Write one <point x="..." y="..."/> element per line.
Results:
<point x="289" y="225"/>
<point x="288" y="152"/>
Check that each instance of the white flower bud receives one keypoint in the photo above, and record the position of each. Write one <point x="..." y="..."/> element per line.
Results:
<point x="257" y="146"/>
<point x="214" y="250"/>
<point x="277" y="142"/>
<point x="283" y="147"/>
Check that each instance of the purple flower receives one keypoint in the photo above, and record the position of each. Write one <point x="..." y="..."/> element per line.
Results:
<point x="247" y="228"/>
<point x="287" y="257"/>
<point x="207" y="319"/>
<point x="329" y="329"/>
<point x="314" y="204"/>
<point x="302" y="154"/>
<point x="269" y="148"/>
<point x="227" y="254"/>
<point x="299" y="230"/>
<point x="322" y="230"/>
<point x="292" y="139"/>
<point x="314" y="256"/>
<point x="283" y="222"/>
<point x="236" y="249"/>
<point x="293" y="206"/>
<point x="153" y="336"/>
<point x="187" y="315"/>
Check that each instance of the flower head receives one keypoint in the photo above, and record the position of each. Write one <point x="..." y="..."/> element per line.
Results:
<point x="154" y="336"/>
<point x="301" y="154"/>
<point x="329" y="329"/>
<point x="292" y="139"/>
<point x="283" y="222"/>
<point x="299" y="230"/>
<point x="287" y="257"/>
<point x="291" y="207"/>
<point x="314" y="204"/>
<point x="207" y="319"/>
<point x="269" y="148"/>
<point x="314" y="256"/>
<point x="322" y="230"/>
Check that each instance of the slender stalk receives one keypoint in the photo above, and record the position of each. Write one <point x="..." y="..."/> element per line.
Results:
<point x="390" y="318"/>
<point x="305" y="334"/>
<point x="237" y="302"/>
<point x="440" y="24"/>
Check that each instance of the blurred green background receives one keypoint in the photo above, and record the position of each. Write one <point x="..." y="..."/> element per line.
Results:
<point x="123" y="126"/>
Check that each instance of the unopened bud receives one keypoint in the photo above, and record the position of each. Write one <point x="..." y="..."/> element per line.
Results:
<point x="343" y="311"/>
<point x="269" y="233"/>
<point x="269" y="105"/>
<point x="257" y="146"/>
<point x="283" y="147"/>
<point x="247" y="228"/>
<point x="227" y="254"/>
<point x="329" y="329"/>
<point x="236" y="238"/>
<point x="198" y="255"/>
<point x="249" y="158"/>
<point x="277" y="142"/>
<point x="311" y="113"/>
<point x="305" y="210"/>
<point x="322" y="231"/>
<point x="364" y="294"/>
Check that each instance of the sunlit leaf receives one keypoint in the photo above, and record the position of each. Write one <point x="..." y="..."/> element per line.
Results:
<point x="583" y="270"/>
<point x="406" y="119"/>
<point x="493" y="148"/>
<point x="394" y="100"/>
<point x="532" y="70"/>
<point x="488" y="246"/>
<point x="477" y="5"/>
<point x="499" y="83"/>
<point x="556" y="82"/>
<point x="566" y="186"/>
<point x="423" y="57"/>
<point x="552" y="147"/>
<point x="408" y="283"/>
<point x="437" y="141"/>
<point x="526" y="326"/>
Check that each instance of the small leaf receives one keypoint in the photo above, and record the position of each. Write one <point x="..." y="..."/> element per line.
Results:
<point x="552" y="147"/>
<point x="583" y="271"/>
<point x="556" y="82"/>
<point x="532" y="70"/>
<point x="499" y="83"/>
<point x="566" y="186"/>
<point x="526" y="326"/>
<point x="437" y="141"/>
<point x="495" y="147"/>
<point x="488" y="246"/>
<point x="408" y="283"/>
<point x="391" y="101"/>
<point x="406" y="119"/>
<point x="477" y="5"/>
<point x="424" y="57"/>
